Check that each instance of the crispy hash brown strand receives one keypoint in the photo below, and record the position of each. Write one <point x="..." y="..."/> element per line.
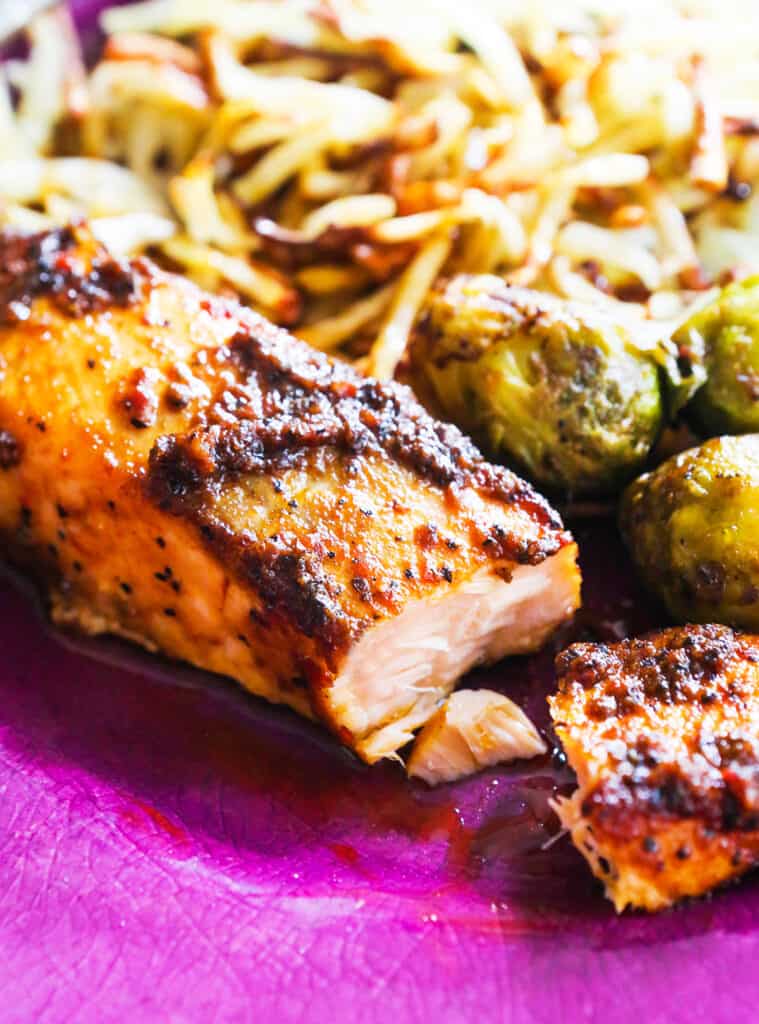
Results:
<point x="175" y="469"/>
<point x="663" y="733"/>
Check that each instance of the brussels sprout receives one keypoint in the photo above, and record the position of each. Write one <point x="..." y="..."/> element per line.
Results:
<point x="557" y="389"/>
<point x="691" y="527"/>
<point x="719" y="350"/>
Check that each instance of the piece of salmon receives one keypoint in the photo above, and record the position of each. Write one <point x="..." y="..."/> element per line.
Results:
<point x="176" y="470"/>
<point x="663" y="733"/>
<point x="472" y="730"/>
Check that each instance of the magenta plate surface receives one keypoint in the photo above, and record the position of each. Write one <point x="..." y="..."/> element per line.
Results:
<point x="171" y="850"/>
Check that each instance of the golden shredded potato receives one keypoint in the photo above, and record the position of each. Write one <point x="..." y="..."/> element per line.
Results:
<point x="328" y="159"/>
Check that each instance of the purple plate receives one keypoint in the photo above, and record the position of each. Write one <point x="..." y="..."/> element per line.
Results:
<point x="171" y="850"/>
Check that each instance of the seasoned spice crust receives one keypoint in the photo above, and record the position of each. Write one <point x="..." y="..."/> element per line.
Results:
<point x="663" y="732"/>
<point x="288" y="400"/>
<point x="689" y="666"/>
<point x="635" y="672"/>
<point x="45" y="264"/>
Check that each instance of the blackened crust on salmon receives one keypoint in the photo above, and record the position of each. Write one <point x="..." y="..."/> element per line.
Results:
<point x="688" y="668"/>
<point x="290" y="400"/>
<point x="289" y="585"/>
<point x="705" y="768"/>
<point x="287" y="581"/>
<point x="47" y="264"/>
<point x="649" y="788"/>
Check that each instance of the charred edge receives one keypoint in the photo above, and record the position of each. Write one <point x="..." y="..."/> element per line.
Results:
<point x="176" y="474"/>
<point x="49" y="264"/>
<point x="672" y="666"/>
<point x="292" y="400"/>
<point x="288" y="587"/>
<point x="291" y="591"/>
<point x="643" y="788"/>
<point x="10" y="450"/>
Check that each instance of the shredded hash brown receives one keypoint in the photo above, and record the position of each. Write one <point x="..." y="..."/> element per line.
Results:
<point x="327" y="160"/>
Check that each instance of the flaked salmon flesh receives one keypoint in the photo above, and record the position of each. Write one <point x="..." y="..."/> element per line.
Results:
<point x="472" y="730"/>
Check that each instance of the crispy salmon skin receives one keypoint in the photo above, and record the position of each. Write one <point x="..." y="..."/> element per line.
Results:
<point x="175" y="469"/>
<point x="663" y="733"/>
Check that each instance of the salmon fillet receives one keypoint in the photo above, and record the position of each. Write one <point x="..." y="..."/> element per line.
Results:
<point x="176" y="470"/>
<point x="663" y="733"/>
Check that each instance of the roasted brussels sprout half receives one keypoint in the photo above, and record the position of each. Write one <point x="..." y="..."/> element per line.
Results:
<point x="556" y="389"/>
<point x="719" y="354"/>
<point x="692" y="526"/>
